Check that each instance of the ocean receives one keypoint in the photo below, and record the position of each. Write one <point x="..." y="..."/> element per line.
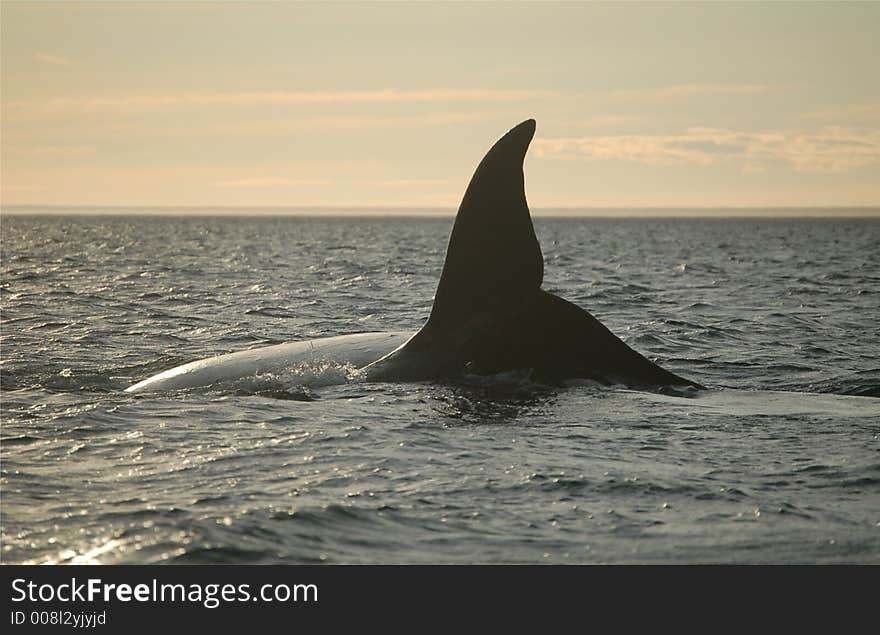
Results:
<point x="777" y="462"/>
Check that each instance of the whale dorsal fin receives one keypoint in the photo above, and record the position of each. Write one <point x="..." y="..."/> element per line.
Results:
<point x="493" y="257"/>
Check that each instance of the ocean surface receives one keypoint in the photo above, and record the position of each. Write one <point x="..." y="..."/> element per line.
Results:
<point x="778" y="462"/>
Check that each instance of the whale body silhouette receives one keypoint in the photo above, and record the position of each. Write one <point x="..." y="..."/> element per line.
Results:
<point x="489" y="316"/>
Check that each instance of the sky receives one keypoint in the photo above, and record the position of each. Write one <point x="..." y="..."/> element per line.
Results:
<point x="392" y="105"/>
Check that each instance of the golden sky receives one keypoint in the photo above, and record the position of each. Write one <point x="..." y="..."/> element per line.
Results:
<point x="393" y="104"/>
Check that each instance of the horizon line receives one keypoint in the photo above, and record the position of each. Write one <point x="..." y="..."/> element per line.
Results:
<point x="658" y="211"/>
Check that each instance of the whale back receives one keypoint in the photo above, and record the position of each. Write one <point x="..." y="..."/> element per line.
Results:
<point x="489" y="316"/>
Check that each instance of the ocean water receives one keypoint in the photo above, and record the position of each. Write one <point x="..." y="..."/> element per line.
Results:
<point x="778" y="462"/>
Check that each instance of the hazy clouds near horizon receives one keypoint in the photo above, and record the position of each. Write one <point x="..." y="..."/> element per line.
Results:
<point x="392" y="105"/>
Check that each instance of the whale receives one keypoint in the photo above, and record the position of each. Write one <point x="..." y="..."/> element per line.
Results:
<point x="490" y="315"/>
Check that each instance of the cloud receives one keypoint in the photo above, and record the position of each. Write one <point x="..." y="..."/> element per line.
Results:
<point x="690" y="90"/>
<point x="697" y="146"/>
<point x="829" y="150"/>
<point x="50" y="151"/>
<point x="834" y="149"/>
<point x="126" y="103"/>
<point x="53" y="60"/>
<point x="409" y="182"/>
<point x="602" y="121"/>
<point x="264" y="182"/>
<point x="285" y="182"/>
<point x="275" y="126"/>
<point x="15" y="187"/>
<point x="866" y="113"/>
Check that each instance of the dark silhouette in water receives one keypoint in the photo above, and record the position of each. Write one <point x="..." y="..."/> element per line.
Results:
<point x="490" y="314"/>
